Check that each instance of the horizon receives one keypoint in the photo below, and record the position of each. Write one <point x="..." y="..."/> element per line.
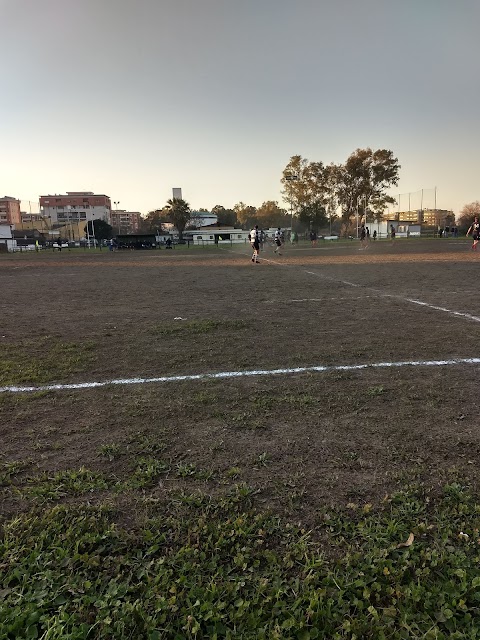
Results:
<point x="101" y="97"/>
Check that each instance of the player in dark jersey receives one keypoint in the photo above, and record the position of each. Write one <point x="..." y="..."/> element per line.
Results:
<point x="475" y="231"/>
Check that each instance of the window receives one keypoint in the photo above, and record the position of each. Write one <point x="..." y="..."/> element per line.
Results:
<point x="83" y="215"/>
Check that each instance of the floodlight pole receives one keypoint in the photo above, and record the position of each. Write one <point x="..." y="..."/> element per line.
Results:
<point x="357" y="217"/>
<point x="291" y="178"/>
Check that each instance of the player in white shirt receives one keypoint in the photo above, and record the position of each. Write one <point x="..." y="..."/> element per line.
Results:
<point x="278" y="241"/>
<point x="255" y="242"/>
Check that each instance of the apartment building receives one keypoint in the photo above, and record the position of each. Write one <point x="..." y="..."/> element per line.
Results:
<point x="125" y="222"/>
<point x="75" y="207"/>
<point x="10" y="210"/>
<point x="425" y="217"/>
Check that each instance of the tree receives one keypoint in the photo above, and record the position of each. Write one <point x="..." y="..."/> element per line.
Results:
<point x="467" y="214"/>
<point x="98" y="229"/>
<point x="310" y="188"/>
<point x="227" y="217"/>
<point x="246" y="214"/>
<point x="271" y="215"/>
<point x="153" y="221"/>
<point x="313" y="216"/>
<point x="304" y="182"/>
<point x="363" y="180"/>
<point x="177" y="211"/>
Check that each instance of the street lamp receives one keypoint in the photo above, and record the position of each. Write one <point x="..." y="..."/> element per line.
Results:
<point x="291" y="178"/>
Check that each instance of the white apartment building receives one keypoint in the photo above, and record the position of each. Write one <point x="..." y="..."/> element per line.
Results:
<point x="75" y="207"/>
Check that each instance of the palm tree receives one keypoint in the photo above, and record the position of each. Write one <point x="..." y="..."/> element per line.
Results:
<point x="179" y="214"/>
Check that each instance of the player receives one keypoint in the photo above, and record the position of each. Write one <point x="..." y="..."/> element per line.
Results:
<point x="255" y="242"/>
<point x="474" y="229"/>
<point x="363" y="238"/>
<point x="278" y="241"/>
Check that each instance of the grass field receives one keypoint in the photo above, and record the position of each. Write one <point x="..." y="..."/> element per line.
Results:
<point x="334" y="503"/>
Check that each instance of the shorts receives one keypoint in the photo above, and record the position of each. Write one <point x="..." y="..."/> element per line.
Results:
<point x="278" y="243"/>
<point x="475" y="236"/>
<point x="255" y="246"/>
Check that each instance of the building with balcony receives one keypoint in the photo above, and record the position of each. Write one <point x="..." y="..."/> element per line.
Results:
<point x="9" y="210"/>
<point x="125" y="222"/>
<point x="75" y="207"/>
<point x="426" y="217"/>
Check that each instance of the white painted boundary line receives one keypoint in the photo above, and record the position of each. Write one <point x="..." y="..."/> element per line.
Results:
<point x="378" y="292"/>
<point x="222" y="375"/>
<point x="318" y="299"/>
<point x="394" y="296"/>
<point x="432" y="306"/>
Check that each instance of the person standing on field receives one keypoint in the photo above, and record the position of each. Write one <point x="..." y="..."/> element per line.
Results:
<point x="255" y="242"/>
<point x="278" y="241"/>
<point x="363" y="237"/>
<point x="474" y="229"/>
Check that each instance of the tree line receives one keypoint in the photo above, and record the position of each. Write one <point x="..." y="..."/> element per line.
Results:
<point x="315" y="192"/>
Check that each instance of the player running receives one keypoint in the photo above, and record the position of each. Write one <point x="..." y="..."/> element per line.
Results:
<point x="278" y="241"/>
<point x="474" y="229"/>
<point x="255" y="242"/>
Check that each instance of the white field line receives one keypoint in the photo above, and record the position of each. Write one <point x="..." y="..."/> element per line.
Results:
<point x="382" y="294"/>
<point x="395" y="296"/>
<point x="280" y="301"/>
<point x="432" y="306"/>
<point x="222" y="375"/>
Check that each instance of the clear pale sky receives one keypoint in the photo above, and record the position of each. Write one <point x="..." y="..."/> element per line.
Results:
<point x="133" y="97"/>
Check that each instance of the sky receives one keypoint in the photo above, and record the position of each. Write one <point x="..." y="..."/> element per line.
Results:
<point x="131" y="98"/>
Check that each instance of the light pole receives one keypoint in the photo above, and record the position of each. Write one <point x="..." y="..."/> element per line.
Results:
<point x="69" y="222"/>
<point x="291" y="178"/>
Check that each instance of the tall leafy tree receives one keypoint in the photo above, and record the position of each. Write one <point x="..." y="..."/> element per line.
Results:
<point x="246" y="214"/>
<point x="153" y="221"/>
<point x="363" y="180"/>
<point x="313" y="216"/>
<point x="178" y="212"/>
<point x="99" y="229"/>
<point x="467" y="214"/>
<point x="306" y="185"/>
<point x="271" y="215"/>
<point x="225" y="216"/>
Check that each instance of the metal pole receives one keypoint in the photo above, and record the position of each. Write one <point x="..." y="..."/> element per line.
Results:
<point x="357" y="217"/>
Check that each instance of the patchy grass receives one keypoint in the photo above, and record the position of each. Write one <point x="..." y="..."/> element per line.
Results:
<point x="205" y="569"/>
<point x="43" y="361"/>
<point x="64" y="484"/>
<point x="195" y="327"/>
<point x="9" y="470"/>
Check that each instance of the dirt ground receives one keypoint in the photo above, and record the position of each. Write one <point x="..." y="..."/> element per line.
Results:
<point x="303" y="443"/>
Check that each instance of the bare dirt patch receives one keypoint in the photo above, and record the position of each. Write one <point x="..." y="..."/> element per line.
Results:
<point x="302" y="444"/>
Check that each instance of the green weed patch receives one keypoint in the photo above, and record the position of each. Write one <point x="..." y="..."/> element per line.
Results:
<point x="43" y="361"/>
<point x="195" y="327"/>
<point x="205" y="569"/>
